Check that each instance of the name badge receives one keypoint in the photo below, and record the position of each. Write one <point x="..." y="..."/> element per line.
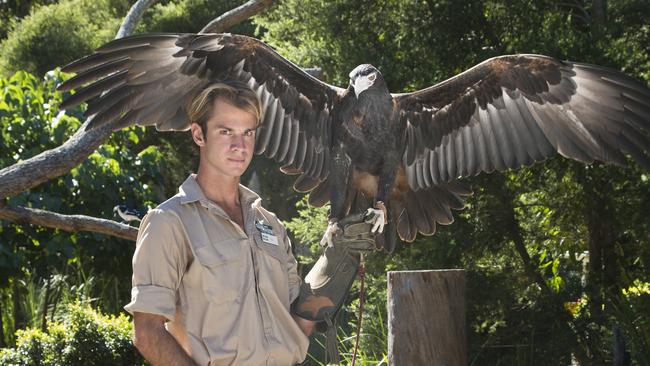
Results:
<point x="269" y="239"/>
<point x="267" y="233"/>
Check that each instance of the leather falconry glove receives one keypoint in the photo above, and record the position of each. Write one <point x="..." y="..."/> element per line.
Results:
<point x="327" y="284"/>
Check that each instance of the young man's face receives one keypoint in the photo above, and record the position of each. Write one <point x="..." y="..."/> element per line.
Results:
<point x="228" y="141"/>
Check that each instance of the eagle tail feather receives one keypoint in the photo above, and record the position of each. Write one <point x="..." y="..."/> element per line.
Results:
<point x="422" y="210"/>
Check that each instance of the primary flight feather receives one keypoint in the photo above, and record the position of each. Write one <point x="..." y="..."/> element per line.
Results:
<point x="362" y="146"/>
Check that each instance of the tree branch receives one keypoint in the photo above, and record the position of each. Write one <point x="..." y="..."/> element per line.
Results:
<point x="236" y="16"/>
<point x="71" y="223"/>
<point x="60" y="160"/>
<point x="52" y="163"/>
<point x="133" y="17"/>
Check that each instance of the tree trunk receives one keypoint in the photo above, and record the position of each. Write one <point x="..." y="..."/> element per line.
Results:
<point x="599" y="14"/>
<point x="45" y="303"/>
<point x="20" y="321"/>
<point x="426" y="318"/>
<point x="581" y="348"/>
<point x="236" y="16"/>
<point x="2" y="328"/>
<point x="602" y="271"/>
<point x="133" y="17"/>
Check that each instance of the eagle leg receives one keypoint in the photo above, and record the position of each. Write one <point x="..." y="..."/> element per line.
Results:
<point x="333" y="229"/>
<point x="338" y="189"/>
<point x="385" y="186"/>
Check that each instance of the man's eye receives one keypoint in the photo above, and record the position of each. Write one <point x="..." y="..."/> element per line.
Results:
<point x="249" y="133"/>
<point x="224" y="132"/>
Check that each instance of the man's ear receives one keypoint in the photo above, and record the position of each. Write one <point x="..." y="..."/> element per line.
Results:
<point x="197" y="134"/>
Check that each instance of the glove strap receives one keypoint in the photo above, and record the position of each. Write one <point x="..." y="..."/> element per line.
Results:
<point x="331" y="349"/>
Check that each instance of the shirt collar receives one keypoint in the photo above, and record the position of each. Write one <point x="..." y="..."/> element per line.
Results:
<point x="190" y="191"/>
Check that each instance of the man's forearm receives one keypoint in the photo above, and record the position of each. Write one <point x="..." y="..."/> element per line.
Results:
<point x="307" y="326"/>
<point x="161" y="349"/>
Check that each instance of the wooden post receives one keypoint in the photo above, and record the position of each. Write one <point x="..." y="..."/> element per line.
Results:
<point x="426" y="318"/>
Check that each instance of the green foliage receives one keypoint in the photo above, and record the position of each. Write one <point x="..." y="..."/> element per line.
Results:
<point x="134" y="167"/>
<point x="54" y="35"/>
<point x="14" y="10"/>
<point x="189" y="16"/>
<point x="83" y="336"/>
<point x="307" y="228"/>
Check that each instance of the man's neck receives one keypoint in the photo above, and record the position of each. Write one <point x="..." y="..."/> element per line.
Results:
<point x="219" y="189"/>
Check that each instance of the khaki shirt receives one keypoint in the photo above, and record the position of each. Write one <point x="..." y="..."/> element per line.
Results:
<point x="226" y="291"/>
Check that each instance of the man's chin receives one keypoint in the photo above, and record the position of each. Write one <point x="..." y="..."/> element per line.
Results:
<point x="239" y="169"/>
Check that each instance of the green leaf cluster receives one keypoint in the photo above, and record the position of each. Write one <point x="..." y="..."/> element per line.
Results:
<point x="56" y="34"/>
<point x="135" y="167"/>
<point x="188" y="16"/>
<point x="83" y="336"/>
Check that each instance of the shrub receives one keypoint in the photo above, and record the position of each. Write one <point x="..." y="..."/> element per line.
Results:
<point x="56" y="34"/>
<point x="189" y="16"/>
<point x="83" y="337"/>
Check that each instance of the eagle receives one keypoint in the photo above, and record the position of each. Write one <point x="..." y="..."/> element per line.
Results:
<point x="399" y="155"/>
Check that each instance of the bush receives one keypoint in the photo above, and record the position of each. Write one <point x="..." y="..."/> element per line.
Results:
<point x="56" y="34"/>
<point x="189" y="16"/>
<point x="83" y="337"/>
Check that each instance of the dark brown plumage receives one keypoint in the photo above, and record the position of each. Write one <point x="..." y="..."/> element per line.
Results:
<point x="358" y="145"/>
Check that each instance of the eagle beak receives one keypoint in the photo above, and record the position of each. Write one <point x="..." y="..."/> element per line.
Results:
<point x="356" y="93"/>
<point x="358" y="90"/>
<point x="361" y="84"/>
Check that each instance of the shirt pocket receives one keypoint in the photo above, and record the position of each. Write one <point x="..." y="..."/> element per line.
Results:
<point x="222" y="270"/>
<point x="272" y="250"/>
<point x="272" y="259"/>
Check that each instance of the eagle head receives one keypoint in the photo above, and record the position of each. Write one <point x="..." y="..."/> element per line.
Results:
<point x="363" y="77"/>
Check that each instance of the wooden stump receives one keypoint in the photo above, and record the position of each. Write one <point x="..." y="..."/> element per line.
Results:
<point x="426" y="318"/>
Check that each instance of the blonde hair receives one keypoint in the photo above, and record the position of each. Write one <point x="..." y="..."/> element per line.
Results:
<point x="237" y="93"/>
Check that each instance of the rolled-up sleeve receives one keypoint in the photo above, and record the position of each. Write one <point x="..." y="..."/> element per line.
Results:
<point x="159" y="261"/>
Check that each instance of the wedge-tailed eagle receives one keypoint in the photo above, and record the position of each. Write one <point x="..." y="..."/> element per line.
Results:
<point x="365" y="144"/>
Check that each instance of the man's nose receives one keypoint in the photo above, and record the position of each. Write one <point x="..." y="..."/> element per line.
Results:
<point x="238" y="142"/>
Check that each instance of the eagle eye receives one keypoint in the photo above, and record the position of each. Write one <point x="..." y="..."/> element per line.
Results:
<point x="372" y="77"/>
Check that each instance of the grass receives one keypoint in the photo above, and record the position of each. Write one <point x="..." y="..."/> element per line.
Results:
<point x="372" y="343"/>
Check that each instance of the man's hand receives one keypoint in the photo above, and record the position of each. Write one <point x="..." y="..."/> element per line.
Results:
<point x="155" y="343"/>
<point x="327" y="284"/>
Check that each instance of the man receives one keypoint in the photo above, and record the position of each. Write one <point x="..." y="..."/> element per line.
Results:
<point x="213" y="273"/>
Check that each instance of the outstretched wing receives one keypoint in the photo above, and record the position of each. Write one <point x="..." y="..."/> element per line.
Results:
<point x="511" y="111"/>
<point x="149" y="79"/>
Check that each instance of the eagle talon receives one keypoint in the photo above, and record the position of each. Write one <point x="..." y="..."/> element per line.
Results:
<point x="377" y="217"/>
<point x="333" y="229"/>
